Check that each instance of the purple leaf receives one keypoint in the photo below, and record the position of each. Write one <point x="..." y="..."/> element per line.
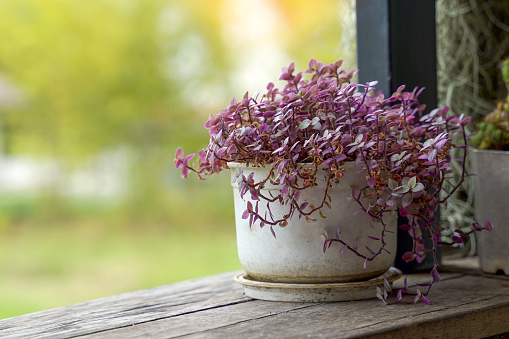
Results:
<point x="408" y="256"/>
<point x="296" y="195"/>
<point x="273" y="233"/>
<point x="432" y="155"/>
<point x="456" y="239"/>
<point x="179" y="154"/>
<point x="465" y="121"/>
<point x="387" y="286"/>
<point x="185" y="171"/>
<point x="328" y="161"/>
<point x="435" y="275"/>
<point x="371" y="182"/>
<point x="340" y="157"/>
<point x="407" y="200"/>
<point x="441" y="143"/>
<point x="390" y="202"/>
<point x="356" y="244"/>
<point x="284" y="190"/>
<point x="403" y="211"/>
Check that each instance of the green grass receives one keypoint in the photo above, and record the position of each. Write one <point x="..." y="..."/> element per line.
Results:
<point x="56" y="252"/>
<point x="56" y="265"/>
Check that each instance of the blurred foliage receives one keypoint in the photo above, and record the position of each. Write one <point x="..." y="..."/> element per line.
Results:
<point x="61" y="263"/>
<point x="139" y="77"/>
<point x="322" y="30"/>
<point x="493" y="130"/>
<point x="106" y="73"/>
<point x="93" y="75"/>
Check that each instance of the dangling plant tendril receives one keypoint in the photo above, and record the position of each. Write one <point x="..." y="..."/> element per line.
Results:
<point x="323" y="121"/>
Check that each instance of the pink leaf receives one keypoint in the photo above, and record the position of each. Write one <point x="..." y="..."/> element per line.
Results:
<point x="457" y="240"/>
<point x="185" y="171"/>
<point x="371" y="182"/>
<point x="408" y="256"/>
<point x="400" y="295"/>
<point x="387" y="286"/>
<point x="407" y="200"/>
<point x="340" y="157"/>
<point x="435" y="275"/>
<point x="356" y="245"/>
<point x="179" y="154"/>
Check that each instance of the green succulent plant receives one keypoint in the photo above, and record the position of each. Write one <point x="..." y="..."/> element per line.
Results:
<point x="493" y="131"/>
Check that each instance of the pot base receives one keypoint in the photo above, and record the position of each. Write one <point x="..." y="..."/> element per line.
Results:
<point x="321" y="292"/>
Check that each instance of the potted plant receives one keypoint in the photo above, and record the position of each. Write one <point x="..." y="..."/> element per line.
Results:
<point x="491" y="143"/>
<point x="327" y="157"/>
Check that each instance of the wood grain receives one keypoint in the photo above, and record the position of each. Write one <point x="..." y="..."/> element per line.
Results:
<point x="126" y="309"/>
<point x="463" y="305"/>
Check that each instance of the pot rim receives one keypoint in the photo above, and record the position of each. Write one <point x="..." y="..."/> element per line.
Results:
<point x="492" y="151"/>
<point x="235" y="164"/>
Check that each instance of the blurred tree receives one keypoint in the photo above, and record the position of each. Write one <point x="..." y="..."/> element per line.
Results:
<point x="93" y="74"/>
<point x="106" y="74"/>
<point x="324" y="31"/>
<point x="140" y="75"/>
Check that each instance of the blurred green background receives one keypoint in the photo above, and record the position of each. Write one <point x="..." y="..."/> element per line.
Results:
<point x="95" y="97"/>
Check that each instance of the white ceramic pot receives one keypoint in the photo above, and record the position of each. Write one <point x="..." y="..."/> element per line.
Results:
<point x="491" y="192"/>
<point x="296" y="254"/>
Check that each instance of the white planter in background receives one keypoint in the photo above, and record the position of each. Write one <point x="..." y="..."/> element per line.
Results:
<point x="296" y="255"/>
<point x="492" y="204"/>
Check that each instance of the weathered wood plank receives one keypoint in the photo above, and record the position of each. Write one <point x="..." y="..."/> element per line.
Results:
<point x="453" y="314"/>
<point x="204" y="321"/>
<point x="126" y="309"/>
<point x="462" y="305"/>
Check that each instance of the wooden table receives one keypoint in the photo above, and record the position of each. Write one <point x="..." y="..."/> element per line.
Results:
<point x="464" y="304"/>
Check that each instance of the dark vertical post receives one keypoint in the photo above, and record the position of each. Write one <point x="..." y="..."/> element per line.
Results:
<point x="396" y="42"/>
<point x="373" y="54"/>
<point x="413" y="47"/>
